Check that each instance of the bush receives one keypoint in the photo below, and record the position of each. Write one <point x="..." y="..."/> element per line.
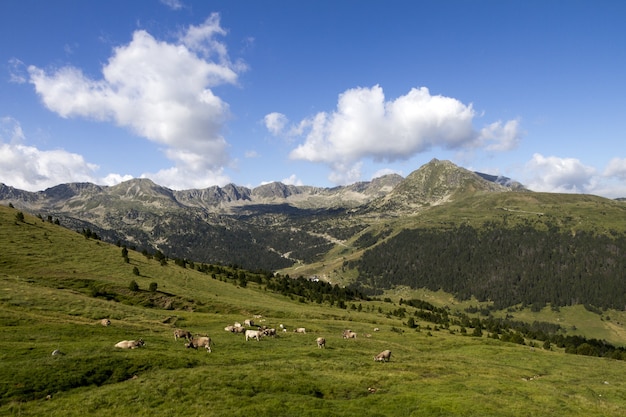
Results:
<point x="153" y="286"/>
<point x="133" y="286"/>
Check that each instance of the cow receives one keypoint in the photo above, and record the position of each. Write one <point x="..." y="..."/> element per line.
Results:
<point x="248" y="323"/>
<point x="230" y="328"/>
<point x="299" y="330"/>
<point x="349" y="334"/>
<point x="180" y="334"/>
<point x="239" y="329"/>
<point x="237" y="324"/>
<point x="202" y="341"/>
<point x="321" y="342"/>
<point x="269" y="332"/>
<point x="105" y="322"/>
<point x="129" y="344"/>
<point x="383" y="356"/>
<point x="253" y="334"/>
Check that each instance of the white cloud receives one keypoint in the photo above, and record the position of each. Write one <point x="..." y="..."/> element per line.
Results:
<point x="292" y="180"/>
<point x="560" y="175"/>
<point x="173" y="4"/>
<point x="160" y="91"/>
<point x="181" y="178"/>
<point x="385" y="171"/>
<point x="365" y="125"/>
<point x="28" y="168"/>
<point x="275" y="123"/>
<point x="500" y="136"/>
<point x="616" y="168"/>
<point x="17" y="71"/>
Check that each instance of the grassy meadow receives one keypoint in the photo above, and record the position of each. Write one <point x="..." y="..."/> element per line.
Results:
<point x="56" y="285"/>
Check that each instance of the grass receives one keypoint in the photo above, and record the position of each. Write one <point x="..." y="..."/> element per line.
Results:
<point x="46" y="302"/>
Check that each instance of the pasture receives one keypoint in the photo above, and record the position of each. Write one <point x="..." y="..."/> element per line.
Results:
<point x="53" y="294"/>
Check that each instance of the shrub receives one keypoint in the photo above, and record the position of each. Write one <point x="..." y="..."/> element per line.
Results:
<point x="133" y="286"/>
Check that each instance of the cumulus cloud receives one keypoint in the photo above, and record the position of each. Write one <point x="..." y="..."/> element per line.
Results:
<point x="275" y="123"/>
<point x="616" y="168"/>
<point x="28" y="168"/>
<point x="501" y="136"/>
<point x="160" y="91"/>
<point x="562" y="175"/>
<point x="366" y="125"/>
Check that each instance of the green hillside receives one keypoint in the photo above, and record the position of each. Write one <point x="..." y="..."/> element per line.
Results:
<point x="56" y="286"/>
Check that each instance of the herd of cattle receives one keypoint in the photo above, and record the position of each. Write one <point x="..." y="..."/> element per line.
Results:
<point x="195" y="342"/>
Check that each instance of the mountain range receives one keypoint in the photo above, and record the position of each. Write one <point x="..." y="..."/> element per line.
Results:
<point x="235" y="224"/>
<point x="347" y="234"/>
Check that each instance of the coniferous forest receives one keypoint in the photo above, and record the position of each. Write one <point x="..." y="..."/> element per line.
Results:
<point x="509" y="266"/>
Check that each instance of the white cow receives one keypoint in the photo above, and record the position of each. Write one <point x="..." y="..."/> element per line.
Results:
<point x="321" y="342"/>
<point x="129" y="344"/>
<point x="253" y="334"/>
<point x="383" y="356"/>
<point x="300" y="330"/>
<point x="105" y="322"/>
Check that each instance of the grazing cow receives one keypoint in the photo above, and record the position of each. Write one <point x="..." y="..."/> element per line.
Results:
<point x="239" y="330"/>
<point x="376" y="329"/>
<point x="105" y="322"/>
<point x="248" y="323"/>
<point x="253" y="334"/>
<point x="180" y="334"/>
<point x="269" y="332"/>
<point x="229" y="328"/>
<point x="129" y="344"/>
<point x="349" y="334"/>
<point x="383" y="356"/>
<point x="321" y="342"/>
<point x="202" y="341"/>
<point x="299" y="330"/>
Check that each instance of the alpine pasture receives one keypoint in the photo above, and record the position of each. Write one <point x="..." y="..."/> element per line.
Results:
<point x="57" y="285"/>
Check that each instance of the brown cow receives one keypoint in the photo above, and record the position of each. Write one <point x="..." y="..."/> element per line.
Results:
<point x="180" y="334"/>
<point x="383" y="356"/>
<point x="203" y="341"/>
<point x="349" y="334"/>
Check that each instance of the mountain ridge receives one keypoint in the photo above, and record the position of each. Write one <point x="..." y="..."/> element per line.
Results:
<point x="216" y="198"/>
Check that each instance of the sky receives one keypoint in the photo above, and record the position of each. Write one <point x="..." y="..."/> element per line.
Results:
<point x="192" y="94"/>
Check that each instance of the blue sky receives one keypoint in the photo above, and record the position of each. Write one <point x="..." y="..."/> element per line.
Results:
<point x="198" y="93"/>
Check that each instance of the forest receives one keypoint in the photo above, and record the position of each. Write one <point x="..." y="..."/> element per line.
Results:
<point x="508" y="266"/>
